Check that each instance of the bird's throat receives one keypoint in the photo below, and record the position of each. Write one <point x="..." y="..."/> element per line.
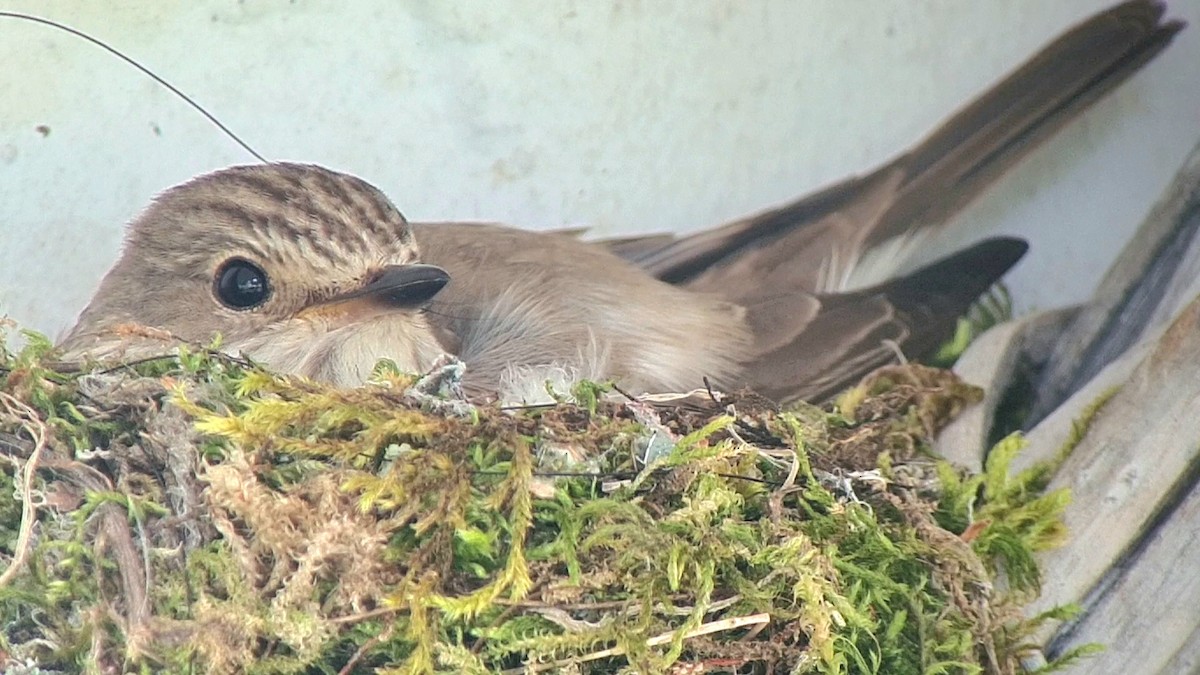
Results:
<point x="345" y="356"/>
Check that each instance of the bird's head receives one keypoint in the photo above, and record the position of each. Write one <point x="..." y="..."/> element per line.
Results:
<point x="306" y="269"/>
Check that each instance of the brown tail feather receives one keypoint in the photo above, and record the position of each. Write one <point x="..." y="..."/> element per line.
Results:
<point x="987" y="137"/>
<point x="812" y="243"/>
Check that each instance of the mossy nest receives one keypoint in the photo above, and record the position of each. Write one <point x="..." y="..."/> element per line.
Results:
<point x="196" y="513"/>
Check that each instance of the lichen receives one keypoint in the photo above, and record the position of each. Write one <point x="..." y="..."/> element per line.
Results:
<point x="197" y="513"/>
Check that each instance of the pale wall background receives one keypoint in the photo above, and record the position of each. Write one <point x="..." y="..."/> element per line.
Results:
<point x="627" y="116"/>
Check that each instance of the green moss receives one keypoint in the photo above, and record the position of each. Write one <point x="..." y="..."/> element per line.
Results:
<point x="993" y="308"/>
<point x="197" y="513"/>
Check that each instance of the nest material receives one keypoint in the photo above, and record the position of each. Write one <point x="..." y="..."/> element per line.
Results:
<point x="197" y="513"/>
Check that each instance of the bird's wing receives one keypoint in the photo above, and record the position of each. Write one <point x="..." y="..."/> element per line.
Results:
<point x="811" y="347"/>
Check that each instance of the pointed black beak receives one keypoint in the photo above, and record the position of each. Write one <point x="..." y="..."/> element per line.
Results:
<point x="403" y="285"/>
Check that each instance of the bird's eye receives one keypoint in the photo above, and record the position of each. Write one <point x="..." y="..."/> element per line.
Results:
<point x="240" y="284"/>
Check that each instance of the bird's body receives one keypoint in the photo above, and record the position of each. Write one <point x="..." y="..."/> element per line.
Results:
<point x="315" y="272"/>
<point x="527" y="306"/>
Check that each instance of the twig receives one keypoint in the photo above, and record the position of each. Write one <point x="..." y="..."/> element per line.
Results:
<point x="504" y="614"/>
<point x="625" y="393"/>
<point x="370" y="614"/>
<point x="240" y="361"/>
<point x="528" y="406"/>
<point x="661" y="639"/>
<point x="634" y="606"/>
<point x="365" y="647"/>
<point x="793" y="471"/>
<point x="37" y="429"/>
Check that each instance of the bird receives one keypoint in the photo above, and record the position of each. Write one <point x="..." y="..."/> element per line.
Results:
<point x="316" y="272"/>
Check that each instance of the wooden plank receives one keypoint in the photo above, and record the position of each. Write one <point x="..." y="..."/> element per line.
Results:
<point x="1047" y="438"/>
<point x="1187" y="659"/>
<point x="1140" y="450"/>
<point x="1148" y="611"/>
<point x="1156" y="274"/>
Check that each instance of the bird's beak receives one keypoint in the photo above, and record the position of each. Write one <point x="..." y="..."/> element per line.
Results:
<point x="396" y="287"/>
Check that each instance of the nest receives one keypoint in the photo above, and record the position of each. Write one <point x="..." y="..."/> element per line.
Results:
<point x="198" y="513"/>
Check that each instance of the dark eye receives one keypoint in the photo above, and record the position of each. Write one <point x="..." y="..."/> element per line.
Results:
<point x="240" y="284"/>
